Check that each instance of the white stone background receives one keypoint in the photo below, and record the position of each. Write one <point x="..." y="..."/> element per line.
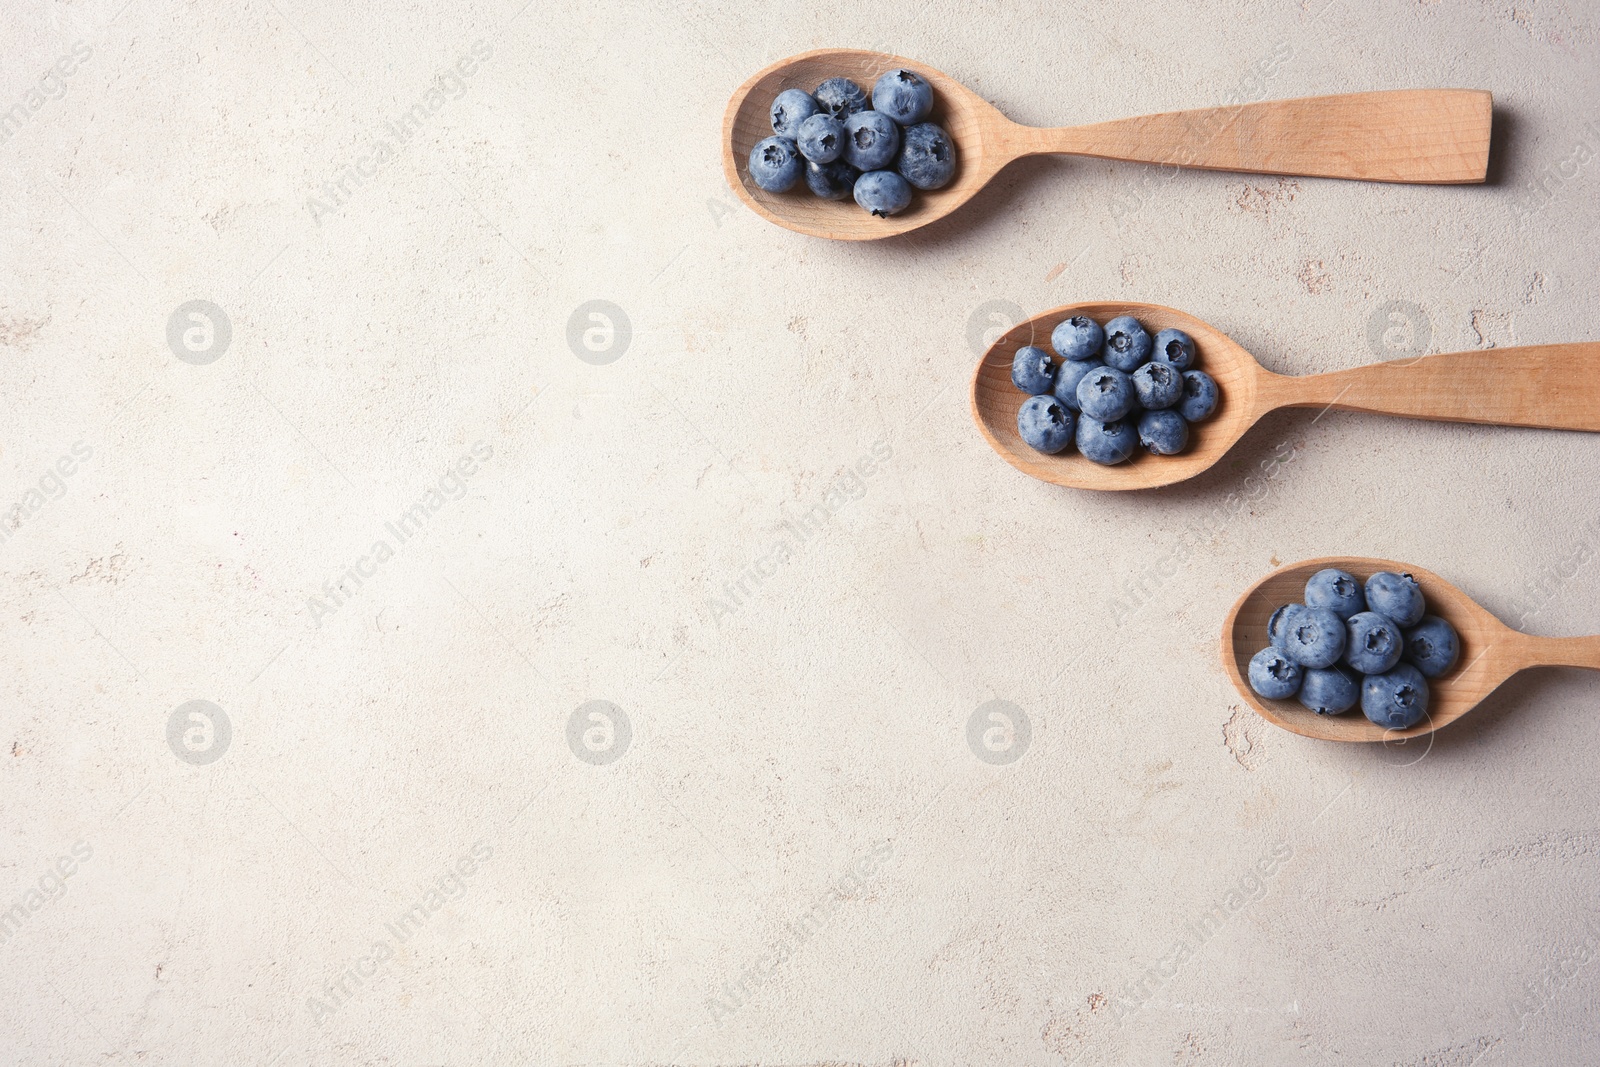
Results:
<point x="374" y="345"/>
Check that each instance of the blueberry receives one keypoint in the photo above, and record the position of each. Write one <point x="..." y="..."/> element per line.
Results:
<point x="1313" y="637"/>
<point x="1045" y="424"/>
<point x="1372" y="643"/>
<point x="1397" y="700"/>
<point x="904" y="96"/>
<point x="1068" y="375"/>
<point x="821" y="138"/>
<point x="1163" y="433"/>
<point x="1033" y="370"/>
<point x="831" y="181"/>
<point x="790" y="109"/>
<point x="1127" y="345"/>
<point x="1079" y="338"/>
<point x="840" y="97"/>
<point x="1432" y="646"/>
<point x="1330" y="690"/>
<point x="1273" y="675"/>
<point x="883" y="192"/>
<point x="1158" y="386"/>
<point x="1397" y="596"/>
<point x="1338" y="591"/>
<point x="1174" y="347"/>
<point x="1278" y="625"/>
<point x="1106" y="442"/>
<point x="775" y="164"/>
<point x="871" y="140"/>
<point x="1105" y="394"/>
<point x="1199" y="396"/>
<point x="927" y="156"/>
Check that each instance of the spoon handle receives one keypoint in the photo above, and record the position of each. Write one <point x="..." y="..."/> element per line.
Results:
<point x="1564" y="652"/>
<point x="1547" y="386"/>
<point x="1401" y="135"/>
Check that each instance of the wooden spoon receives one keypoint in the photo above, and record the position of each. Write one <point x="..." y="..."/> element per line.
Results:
<point x="1403" y="135"/>
<point x="1491" y="651"/>
<point x="1547" y="386"/>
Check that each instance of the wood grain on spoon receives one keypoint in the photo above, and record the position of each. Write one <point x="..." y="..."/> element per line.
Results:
<point x="1434" y="136"/>
<point x="1534" y="386"/>
<point x="1406" y="135"/>
<point x="1491" y="651"/>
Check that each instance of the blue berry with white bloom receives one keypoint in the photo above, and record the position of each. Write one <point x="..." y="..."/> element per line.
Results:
<point x="1106" y="443"/>
<point x="883" y="192"/>
<point x="775" y="164"/>
<point x="1105" y="394"/>
<point x="840" y="97"/>
<point x="1158" y="385"/>
<point x="1397" y="700"/>
<point x="1163" y="433"/>
<point x="1199" y="396"/>
<point x="1078" y="338"/>
<point x="1127" y="345"/>
<point x="1330" y="690"/>
<point x="871" y="140"/>
<point x="927" y="156"/>
<point x="1174" y="347"/>
<point x="904" y="96"/>
<point x="821" y="138"/>
<point x="1045" y="424"/>
<point x="1033" y="370"/>
<point x="1432" y="646"/>
<point x="790" y="109"/>
<point x="1372" y="643"/>
<point x="1274" y="675"/>
<point x="1336" y="590"/>
<point x="1314" y="637"/>
<point x="1396" y="595"/>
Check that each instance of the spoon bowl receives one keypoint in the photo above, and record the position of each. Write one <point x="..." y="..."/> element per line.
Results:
<point x="963" y="114"/>
<point x="995" y="402"/>
<point x="1405" y="135"/>
<point x="1491" y="651"/>
<point x="1526" y="386"/>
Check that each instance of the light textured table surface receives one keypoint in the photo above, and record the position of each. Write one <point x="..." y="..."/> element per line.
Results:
<point x="747" y="507"/>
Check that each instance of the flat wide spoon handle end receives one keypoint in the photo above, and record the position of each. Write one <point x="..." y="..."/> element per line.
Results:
<point x="1403" y="135"/>
<point x="1544" y="386"/>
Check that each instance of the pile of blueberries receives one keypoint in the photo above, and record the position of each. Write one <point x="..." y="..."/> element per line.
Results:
<point x="844" y="144"/>
<point x="1380" y="633"/>
<point x="1114" y="389"/>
